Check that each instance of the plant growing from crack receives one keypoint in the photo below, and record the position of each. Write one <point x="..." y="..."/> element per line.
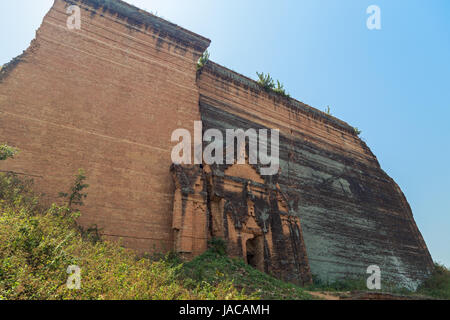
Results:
<point x="267" y="83"/>
<point x="203" y="60"/>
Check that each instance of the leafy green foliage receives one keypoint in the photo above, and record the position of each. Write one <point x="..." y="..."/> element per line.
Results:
<point x="265" y="81"/>
<point x="76" y="195"/>
<point x="438" y="284"/>
<point x="357" y="131"/>
<point x="15" y="191"/>
<point x="213" y="268"/>
<point x="218" y="246"/>
<point x="279" y="89"/>
<point x="268" y="84"/>
<point x="7" y="152"/>
<point x="203" y="60"/>
<point x="38" y="244"/>
<point x="338" y="286"/>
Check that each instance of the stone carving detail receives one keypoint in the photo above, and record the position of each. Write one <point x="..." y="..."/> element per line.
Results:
<point x="236" y="204"/>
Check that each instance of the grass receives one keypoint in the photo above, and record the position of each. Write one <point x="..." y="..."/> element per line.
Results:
<point x="267" y="83"/>
<point x="38" y="244"/>
<point x="438" y="285"/>
<point x="338" y="286"/>
<point x="214" y="267"/>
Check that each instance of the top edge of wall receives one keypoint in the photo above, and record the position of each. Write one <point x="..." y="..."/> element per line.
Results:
<point x="291" y="103"/>
<point x="143" y="19"/>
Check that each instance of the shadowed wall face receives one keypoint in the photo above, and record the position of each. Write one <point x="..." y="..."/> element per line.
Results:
<point x="352" y="214"/>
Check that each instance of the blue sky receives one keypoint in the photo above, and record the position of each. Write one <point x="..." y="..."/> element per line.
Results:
<point x="391" y="83"/>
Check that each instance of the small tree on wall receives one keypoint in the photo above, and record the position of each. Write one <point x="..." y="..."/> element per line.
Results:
<point x="76" y="195"/>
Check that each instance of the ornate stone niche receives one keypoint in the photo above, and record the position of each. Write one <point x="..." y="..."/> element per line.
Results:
<point x="189" y="221"/>
<point x="237" y="204"/>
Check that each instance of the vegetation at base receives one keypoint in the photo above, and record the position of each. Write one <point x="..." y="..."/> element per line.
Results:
<point x="355" y="285"/>
<point x="337" y="286"/>
<point x="215" y="266"/>
<point x="203" y="60"/>
<point x="351" y="285"/>
<point x="266" y="82"/>
<point x="438" y="284"/>
<point x="38" y="244"/>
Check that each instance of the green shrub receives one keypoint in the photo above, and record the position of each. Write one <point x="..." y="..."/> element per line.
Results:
<point x="218" y="246"/>
<point x="266" y="82"/>
<point x="37" y="245"/>
<point x="214" y="268"/>
<point x="203" y="60"/>
<point x="18" y="192"/>
<point x="438" y="284"/>
<point x="338" y="286"/>
<point x="279" y="89"/>
<point x="7" y="152"/>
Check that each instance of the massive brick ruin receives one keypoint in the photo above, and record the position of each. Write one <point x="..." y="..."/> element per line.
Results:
<point x="106" y="98"/>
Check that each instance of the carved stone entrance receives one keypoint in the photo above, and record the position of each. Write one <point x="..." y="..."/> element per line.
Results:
<point x="250" y="213"/>
<point x="255" y="252"/>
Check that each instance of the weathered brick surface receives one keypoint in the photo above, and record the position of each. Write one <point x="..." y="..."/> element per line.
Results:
<point x="234" y="203"/>
<point x="107" y="98"/>
<point x="352" y="213"/>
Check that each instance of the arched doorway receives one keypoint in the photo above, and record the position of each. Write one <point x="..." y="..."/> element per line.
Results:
<point x="255" y="252"/>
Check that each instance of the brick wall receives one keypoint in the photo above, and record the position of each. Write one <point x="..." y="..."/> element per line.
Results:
<point x="105" y="98"/>
<point x="352" y="213"/>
